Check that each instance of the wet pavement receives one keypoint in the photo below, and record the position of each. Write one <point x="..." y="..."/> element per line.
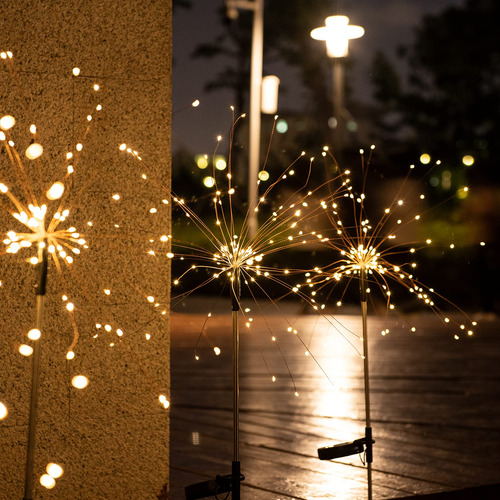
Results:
<point x="435" y="405"/>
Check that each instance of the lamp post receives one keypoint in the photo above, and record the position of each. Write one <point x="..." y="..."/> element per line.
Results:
<point x="257" y="6"/>
<point x="336" y="33"/>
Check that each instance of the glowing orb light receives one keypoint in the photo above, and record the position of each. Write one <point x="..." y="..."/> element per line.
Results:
<point x="220" y="164"/>
<point x="264" y="175"/>
<point x="34" y="151"/>
<point x="34" y="334"/>
<point x="425" y="159"/>
<point x="47" y="481"/>
<point x="26" y="350"/>
<point x="7" y="122"/>
<point x="54" y="470"/>
<point x="164" y="401"/>
<point x="55" y="191"/>
<point x="209" y="181"/>
<point x="79" y="381"/>
<point x="468" y="160"/>
<point x="3" y="411"/>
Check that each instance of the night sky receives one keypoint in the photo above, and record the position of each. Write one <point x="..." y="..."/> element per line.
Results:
<point x="388" y="24"/>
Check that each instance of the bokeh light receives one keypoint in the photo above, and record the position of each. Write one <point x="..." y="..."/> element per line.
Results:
<point x="3" y="411"/>
<point x="468" y="160"/>
<point x="79" y="381"/>
<point x="425" y="159"/>
<point x="54" y="470"/>
<point x="47" y="481"/>
<point x="209" y="181"/>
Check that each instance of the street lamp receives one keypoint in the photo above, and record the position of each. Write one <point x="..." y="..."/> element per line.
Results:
<point x="336" y="33"/>
<point x="257" y="6"/>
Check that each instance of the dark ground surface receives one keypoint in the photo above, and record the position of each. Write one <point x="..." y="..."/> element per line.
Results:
<point x="435" y="406"/>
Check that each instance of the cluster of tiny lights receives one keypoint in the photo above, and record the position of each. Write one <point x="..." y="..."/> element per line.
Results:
<point x="231" y="254"/>
<point x="41" y="209"/>
<point x="164" y="401"/>
<point x="366" y="249"/>
<point x="228" y="251"/>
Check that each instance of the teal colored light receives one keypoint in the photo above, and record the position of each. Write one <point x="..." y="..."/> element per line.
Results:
<point x="281" y="126"/>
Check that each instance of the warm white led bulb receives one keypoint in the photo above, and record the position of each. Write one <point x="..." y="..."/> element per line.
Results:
<point x="7" y="122"/>
<point x="26" y="350"/>
<point x="55" y="191"/>
<point x="47" y="481"/>
<point x="54" y="470"/>
<point x="79" y="381"/>
<point x="34" y="334"/>
<point x="34" y="151"/>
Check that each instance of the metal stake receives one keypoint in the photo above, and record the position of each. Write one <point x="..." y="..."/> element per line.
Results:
<point x="368" y="428"/>
<point x="235" y="471"/>
<point x="35" y="375"/>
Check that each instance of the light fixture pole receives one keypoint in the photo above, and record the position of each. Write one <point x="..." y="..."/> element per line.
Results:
<point x="257" y="6"/>
<point x="336" y="33"/>
<point x="35" y="374"/>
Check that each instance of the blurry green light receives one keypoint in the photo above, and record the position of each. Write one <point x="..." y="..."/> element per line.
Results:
<point x="201" y="161"/>
<point x="434" y="181"/>
<point x="281" y="126"/>
<point x="209" y="182"/>
<point x="352" y="126"/>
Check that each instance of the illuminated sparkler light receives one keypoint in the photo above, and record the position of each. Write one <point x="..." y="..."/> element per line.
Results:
<point x="366" y="253"/>
<point x="39" y="207"/>
<point x="68" y="213"/>
<point x="380" y="250"/>
<point x="224" y="249"/>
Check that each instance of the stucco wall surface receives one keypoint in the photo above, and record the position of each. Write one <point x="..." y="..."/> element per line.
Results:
<point x="111" y="438"/>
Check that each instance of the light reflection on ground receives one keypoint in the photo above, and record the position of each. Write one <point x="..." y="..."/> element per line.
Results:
<point x="434" y="401"/>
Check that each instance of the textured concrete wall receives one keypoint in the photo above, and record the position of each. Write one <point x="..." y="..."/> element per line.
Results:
<point x="111" y="438"/>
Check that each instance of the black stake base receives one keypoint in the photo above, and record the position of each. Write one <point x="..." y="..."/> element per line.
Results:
<point x="235" y="480"/>
<point x="221" y="484"/>
<point x="351" y="448"/>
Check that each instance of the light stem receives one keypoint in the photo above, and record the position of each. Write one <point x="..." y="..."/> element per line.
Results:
<point x="235" y="299"/>
<point x="35" y="375"/>
<point x="368" y="428"/>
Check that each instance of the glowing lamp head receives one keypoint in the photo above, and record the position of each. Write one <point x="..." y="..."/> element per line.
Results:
<point x="34" y="151"/>
<point x="7" y="122"/>
<point x="55" y="191"/>
<point x="336" y="33"/>
<point x="269" y="95"/>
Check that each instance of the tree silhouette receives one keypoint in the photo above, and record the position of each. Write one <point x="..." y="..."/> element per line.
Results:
<point x="449" y="104"/>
